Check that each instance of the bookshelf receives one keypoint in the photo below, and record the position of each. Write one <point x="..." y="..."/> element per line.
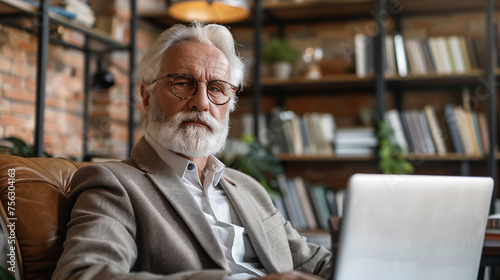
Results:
<point x="20" y="14"/>
<point x="384" y="91"/>
<point x="388" y="91"/>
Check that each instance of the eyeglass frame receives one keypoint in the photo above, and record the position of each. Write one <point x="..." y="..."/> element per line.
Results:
<point x="172" y="76"/>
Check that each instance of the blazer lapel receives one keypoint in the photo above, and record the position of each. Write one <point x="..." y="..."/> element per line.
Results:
<point x="251" y="222"/>
<point x="180" y="198"/>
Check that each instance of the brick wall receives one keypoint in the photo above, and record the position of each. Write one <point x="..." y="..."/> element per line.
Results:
<point x="63" y="127"/>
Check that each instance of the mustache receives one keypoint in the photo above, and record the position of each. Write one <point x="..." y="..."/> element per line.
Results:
<point x="195" y="116"/>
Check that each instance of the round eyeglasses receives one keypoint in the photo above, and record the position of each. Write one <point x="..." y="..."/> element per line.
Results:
<point x="185" y="86"/>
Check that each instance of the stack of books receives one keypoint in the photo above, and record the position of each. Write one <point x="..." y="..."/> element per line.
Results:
<point x="307" y="207"/>
<point x="289" y="133"/>
<point x="454" y="54"/>
<point x="429" y="131"/>
<point x="82" y="10"/>
<point x="355" y="142"/>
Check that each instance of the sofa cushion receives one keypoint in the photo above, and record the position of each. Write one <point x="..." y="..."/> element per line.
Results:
<point x="37" y="190"/>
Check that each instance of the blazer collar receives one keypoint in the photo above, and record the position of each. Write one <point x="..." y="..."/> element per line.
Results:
<point x="251" y="221"/>
<point x="170" y="185"/>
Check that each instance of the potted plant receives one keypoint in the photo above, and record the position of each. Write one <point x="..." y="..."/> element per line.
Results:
<point x="252" y="158"/>
<point x="280" y="56"/>
<point x="16" y="146"/>
<point x="392" y="160"/>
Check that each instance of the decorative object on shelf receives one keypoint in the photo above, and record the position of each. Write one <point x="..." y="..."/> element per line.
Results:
<point x="312" y="57"/>
<point x="252" y="158"/>
<point x="102" y="79"/>
<point x="392" y="160"/>
<point x="280" y="54"/>
<point x="211" y="11"/>
<point x="16" y="146"/>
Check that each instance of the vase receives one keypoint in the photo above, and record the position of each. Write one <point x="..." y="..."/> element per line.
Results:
<point x="282" y="70"/>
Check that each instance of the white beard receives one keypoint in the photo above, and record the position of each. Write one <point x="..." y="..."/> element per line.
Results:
<point x="192" y="141"/>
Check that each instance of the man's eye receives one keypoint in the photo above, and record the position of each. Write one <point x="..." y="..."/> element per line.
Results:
<point x="214" y="89"/>
<point x="183" y="84"/>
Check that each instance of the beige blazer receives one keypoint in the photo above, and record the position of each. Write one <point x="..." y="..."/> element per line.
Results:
<point x="136" y="220"/>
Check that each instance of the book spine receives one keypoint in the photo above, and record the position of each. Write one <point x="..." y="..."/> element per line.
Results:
<point x="449" y="116"/>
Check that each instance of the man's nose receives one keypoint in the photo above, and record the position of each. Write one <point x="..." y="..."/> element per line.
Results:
<point x="200" y="100"/>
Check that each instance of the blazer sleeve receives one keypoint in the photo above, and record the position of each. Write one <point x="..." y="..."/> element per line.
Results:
<point x="100" y="241"/>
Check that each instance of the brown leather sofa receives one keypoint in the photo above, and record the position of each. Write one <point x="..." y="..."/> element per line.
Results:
<point x="39" y="188"/>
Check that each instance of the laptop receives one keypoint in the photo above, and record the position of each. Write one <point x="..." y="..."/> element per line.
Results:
<point x="412" y="227"/>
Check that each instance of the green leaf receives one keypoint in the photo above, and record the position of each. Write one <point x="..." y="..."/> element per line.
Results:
<point x="5" y="275"/>
<point x="392" y="160"/>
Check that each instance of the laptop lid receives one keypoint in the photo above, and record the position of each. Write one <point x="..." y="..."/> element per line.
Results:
<point x="413" y="227"/>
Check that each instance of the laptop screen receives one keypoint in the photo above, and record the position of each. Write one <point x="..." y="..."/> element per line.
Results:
<point x="412" y="227"/>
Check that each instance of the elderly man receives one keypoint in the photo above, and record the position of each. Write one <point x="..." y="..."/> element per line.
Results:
<point x="173" y="210"/>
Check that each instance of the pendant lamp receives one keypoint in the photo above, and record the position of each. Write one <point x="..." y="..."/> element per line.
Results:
<point x="209" y="11"/>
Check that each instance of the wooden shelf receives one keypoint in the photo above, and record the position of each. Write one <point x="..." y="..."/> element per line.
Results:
<point x="411" y="157"/>
<point x="436" y="80"/>
<point x="447" y="157"/>
<point x="310" y="158"/>
<point x="352" y="82"/>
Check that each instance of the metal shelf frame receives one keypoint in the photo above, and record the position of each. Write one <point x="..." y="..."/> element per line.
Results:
<point x="44" y="20"/>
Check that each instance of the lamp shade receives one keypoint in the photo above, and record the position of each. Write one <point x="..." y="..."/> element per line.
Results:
<point x="210" y="11"/>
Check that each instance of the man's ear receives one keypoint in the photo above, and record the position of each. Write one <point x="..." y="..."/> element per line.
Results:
<point x="145" y="96"/>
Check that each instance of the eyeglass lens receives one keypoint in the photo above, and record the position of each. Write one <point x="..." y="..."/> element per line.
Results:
<point x="185" y="86"/>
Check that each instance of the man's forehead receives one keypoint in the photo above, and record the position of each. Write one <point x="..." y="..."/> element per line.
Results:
<point x="189" y="56"/>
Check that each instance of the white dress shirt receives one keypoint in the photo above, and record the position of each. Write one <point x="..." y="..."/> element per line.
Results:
<point x="218" y="211"/>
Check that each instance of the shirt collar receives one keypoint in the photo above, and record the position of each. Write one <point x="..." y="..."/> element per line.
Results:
<point x="180" y="165"/>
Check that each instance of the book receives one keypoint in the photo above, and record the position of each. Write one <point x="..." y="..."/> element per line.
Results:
<point x="443" y="55"/>
<point x="306" y="139"/>
<point x="296" y="133"/>
<point x="393" y="120"/>
<point x="463" y="129"/>
<point x="355" y="141"/>
<point x="327" y="128"/>
<point x="465" y="53"/>
<point x="457" y="56"/>
<point x="332" y="202"/>
<point x="401" y="60"/>
<point x="446" y="134"/>
<point x="477" y="134"/>
<point x="283" y="186"/>
<point x="297" y="208"/>
<point x="428" y="141"/>
<point x="339" y="197"/>
<point x="431" y="65"/>
<point x="321" y="132"/>
<point x="451" y="124"/>
<point x="322" y="210"/>
<point x="363" y="53"/>
<point x="483" y="130"/>
<point x="313" y="140"/>
<point x="406" y="130"/>
<point x="436" y="131"/>
<point x="391" y="69"/>
<point x="414" y="127"/>
<point x="416" y="57"/>
<point x="440" y="68"/>
<point x="277" y="143"/>
<point x="305" y="203"/>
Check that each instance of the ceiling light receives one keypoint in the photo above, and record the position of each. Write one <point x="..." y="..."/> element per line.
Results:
<point x="209" y="11"/>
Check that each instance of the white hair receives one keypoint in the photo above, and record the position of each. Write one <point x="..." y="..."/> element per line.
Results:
<point x="212" y="34"/>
